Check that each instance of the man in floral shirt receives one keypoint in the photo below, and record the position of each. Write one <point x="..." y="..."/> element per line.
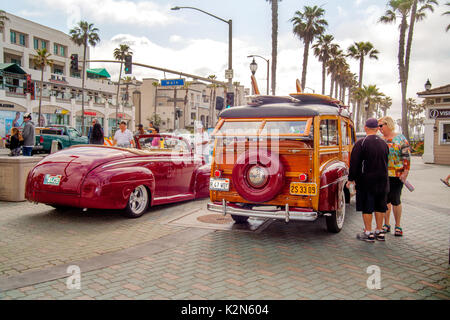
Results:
<point x="398" y="169"/>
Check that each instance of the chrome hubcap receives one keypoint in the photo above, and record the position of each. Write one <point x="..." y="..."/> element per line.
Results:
<point x="138" y="199"/>
<point x="340" y="212"/>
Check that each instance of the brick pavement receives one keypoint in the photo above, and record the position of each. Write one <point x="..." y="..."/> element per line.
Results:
<point x="284" y="261"/>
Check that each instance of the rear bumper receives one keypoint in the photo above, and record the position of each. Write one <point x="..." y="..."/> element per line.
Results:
<point x="286" y="214"/>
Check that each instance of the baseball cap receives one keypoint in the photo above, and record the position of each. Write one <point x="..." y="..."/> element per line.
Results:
<point x="27" y="115"/>
<point x="372" y="123"/>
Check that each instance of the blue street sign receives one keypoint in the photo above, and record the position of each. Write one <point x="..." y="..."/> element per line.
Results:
<point x="172" y="82"/>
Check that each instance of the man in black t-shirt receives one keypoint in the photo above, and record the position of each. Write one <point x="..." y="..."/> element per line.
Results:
<point x="369" y="170"/>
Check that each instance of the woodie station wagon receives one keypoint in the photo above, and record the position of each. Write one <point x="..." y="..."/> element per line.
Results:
<point x="283" y="158"/>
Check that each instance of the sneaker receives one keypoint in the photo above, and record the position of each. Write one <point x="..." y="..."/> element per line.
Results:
<point x="365" y="237"/>
<point x="380" y="236"/>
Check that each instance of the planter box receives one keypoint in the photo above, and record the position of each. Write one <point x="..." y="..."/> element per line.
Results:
<point x="13" y="176"/>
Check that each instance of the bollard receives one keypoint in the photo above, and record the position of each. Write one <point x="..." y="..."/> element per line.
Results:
<point x="54" y="147"/>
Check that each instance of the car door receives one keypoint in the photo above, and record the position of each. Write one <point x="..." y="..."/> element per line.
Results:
<point x="180" y="180"/>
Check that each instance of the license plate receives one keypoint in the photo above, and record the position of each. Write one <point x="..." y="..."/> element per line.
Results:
<point x="219" y="184"/>
<point x="52" y="180"/>
<point x="303" y="189"/>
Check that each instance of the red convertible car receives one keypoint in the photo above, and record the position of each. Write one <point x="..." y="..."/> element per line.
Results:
<point x="130" y="179"/>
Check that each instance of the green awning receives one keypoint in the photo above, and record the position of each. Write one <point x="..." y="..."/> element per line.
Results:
<point x="101" y="72"/>
<point x="12" y="68"/>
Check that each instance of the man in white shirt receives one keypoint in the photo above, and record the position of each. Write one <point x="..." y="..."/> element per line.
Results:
<point x="123" y="137"/>
<point x="201" y="141"/>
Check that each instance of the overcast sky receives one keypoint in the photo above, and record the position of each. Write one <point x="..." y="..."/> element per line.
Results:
<point x="192" y="42"/>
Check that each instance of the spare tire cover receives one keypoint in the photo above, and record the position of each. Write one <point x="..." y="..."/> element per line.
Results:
<point x="270" y="161"/>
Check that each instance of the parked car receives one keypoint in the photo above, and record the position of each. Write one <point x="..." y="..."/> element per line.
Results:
<point x="66" y="136"/>
<point x="283" y="158"/>
<point x="129" y="179"/>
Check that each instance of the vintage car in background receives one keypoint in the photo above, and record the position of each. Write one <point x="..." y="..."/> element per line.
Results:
<point x="129" y="179"/>
<point x="283" y="158"/>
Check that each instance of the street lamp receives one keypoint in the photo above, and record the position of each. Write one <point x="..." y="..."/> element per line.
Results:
<point x="230" y="43"/>
<point x="428" y="85"/>
<point x="253" y="66"/>
<point x="310" y="89"/>
<point x="268" y="63"/>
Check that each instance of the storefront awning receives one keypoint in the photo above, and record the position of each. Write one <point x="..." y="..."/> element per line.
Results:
<point x="12" y="68"/>
<point x="101" y="72"/>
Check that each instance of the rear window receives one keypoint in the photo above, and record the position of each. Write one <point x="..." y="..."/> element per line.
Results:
<point x="285" y="127"/>
<point x="239" y="128"/>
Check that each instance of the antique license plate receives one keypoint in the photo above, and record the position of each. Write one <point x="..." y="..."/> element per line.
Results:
<point x="219" y="184"/>
<point x="303" y="189"/>
<point x="52" y="180"/>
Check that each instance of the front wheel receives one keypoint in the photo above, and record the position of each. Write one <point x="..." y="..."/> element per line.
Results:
<point x="335" y="222"/>
<point x="138" y="202"/>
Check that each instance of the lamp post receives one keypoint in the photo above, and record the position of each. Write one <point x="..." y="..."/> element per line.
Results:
<point x="268" y="66"/>
<point x="230" y="42"/>
<point x="428" y="85"/>
<point x="253" y="66"/>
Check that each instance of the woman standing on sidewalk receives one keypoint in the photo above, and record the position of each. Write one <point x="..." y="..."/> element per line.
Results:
<point x="398" y="169"/>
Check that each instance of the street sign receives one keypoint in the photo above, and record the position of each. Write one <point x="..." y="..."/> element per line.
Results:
<point x="229" y="74"/>
<point x="172" y="82"/>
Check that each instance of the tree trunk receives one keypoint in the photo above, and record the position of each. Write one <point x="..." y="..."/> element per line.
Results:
<point x="117" y="96"/>
<point x="83" y="127"/>
<point x="324" y="76"/>
<point x="358" y="107"/>
<point x="332" y="85"/>
<point x="401" y="69"/>
<point x="305" y="63"/>
<point x="40" y="96"/>
<point x="274" y="43"/>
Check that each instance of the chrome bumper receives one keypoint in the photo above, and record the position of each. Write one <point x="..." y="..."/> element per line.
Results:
<point x="270" y="214"/>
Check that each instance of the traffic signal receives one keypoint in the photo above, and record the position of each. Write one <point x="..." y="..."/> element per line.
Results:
<point x="219" y="103"/>
<point x="128" y="64"/>
<point x="74" y="62"/>
<point x="230" y="99"/>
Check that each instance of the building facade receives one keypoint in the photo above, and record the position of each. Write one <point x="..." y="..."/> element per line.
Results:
<point x="61" y="94"/>
<point x="193" y="101"/>
<point x="437" y="125"/>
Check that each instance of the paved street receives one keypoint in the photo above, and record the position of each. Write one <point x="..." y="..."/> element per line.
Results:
<point x="182" y="251"/>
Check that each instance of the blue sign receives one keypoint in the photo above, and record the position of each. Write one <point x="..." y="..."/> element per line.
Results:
<point x="172" y="82"/>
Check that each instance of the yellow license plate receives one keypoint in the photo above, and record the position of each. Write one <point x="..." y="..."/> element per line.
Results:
<point x="303" y="189"/>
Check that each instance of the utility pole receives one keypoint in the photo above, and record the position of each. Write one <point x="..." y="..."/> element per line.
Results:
<point x="174" y="108"/>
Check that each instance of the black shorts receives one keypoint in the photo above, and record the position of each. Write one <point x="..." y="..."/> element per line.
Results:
<point x="395" y="191"/>
<point x="368" y="202"/>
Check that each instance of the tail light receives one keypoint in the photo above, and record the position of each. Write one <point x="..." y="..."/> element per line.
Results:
<point x="41" y="139"/>
<point x="217" y="173"/>
<point x="303" y="177"/>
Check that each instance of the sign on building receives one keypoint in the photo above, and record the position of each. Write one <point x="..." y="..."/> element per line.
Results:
<point x="439" y="113"/>
<point x="172" y="82"/>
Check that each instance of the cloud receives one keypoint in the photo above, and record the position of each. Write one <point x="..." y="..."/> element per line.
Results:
<point x="144" y="13"/>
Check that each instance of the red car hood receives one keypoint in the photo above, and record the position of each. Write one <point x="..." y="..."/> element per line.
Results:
<point x="72" y="165"/>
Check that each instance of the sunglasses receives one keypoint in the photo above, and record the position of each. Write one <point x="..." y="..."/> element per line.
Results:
<point x="381" y="125"/>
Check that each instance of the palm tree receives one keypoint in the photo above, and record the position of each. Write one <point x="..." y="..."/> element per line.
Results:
<point x="274" y="4"/>
<point x="41" y="60"/>
<point x="334" y="64"/>
<point x="213" y="87"/>
<point x="447" y="13"/>
<point x="84" y="34"/>
<point x="386" y="103"/>
<point x="358" y="51"/>
<point x="3" y="18"/>
<point x="404" y="10"/>
<point x="308" y="25"/>
<point x="155" y="84"/>
<point x="119" y="54"/>
<point x="322" y="49"/>
<point x="371" y="95"/>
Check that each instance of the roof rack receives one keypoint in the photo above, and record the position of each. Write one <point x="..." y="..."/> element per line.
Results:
<point x="258" y="100"/>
